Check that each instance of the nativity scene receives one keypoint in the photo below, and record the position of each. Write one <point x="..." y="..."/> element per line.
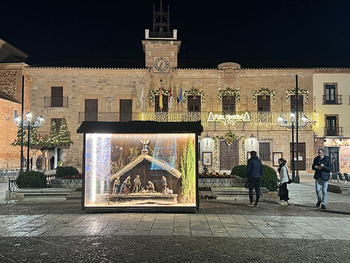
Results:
<point x="140" y="169"/>
<point x="145" y="191"/>
<point x="154" y="168"/>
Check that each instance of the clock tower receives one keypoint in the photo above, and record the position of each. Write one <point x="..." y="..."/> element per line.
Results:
<point x="161" y="46"/>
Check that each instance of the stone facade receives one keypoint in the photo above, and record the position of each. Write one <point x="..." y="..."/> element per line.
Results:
<point x="109" y="86"/>
<point x="11" y="86"/>
<point x="332" y="102"/>
<point x="9" y="155"/>
<point x="228" y="137"/>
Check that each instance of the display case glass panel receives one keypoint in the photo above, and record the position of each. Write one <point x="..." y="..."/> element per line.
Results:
<point x="140" y="170"/>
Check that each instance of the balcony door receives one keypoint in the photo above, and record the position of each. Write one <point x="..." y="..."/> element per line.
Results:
<point x="125" y="109"/>
<point x="333" y="153"/>
<point x="194" y="103"/>
<point x="293" y="103"/>
<point x="228" y="105"/>
<point x="331" y="126"/>
<point x="91" y="110"/>
<point x="330" y="91"/>
<point x="264" y="107"/>
<point x="161" y="105"/>
<point x="264" y="103"/>
<point x="56" y="96"/>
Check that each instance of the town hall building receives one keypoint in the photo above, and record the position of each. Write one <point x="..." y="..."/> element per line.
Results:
<point x="240" y="108"/>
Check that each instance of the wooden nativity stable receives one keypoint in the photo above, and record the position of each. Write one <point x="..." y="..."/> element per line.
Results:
<point x="140" y="166"/>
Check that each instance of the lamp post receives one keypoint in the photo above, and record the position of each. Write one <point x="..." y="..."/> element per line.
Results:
<point x="290" y="124"/>
<point x="27" y="124"/>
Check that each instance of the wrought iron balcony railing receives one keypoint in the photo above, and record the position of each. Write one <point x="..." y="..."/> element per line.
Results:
<point x="332" y="100"/>
<point x="161" y="34"/>
<point x="50" y="102"/>
<point x="256" y="118"/>
<point x="106" y="116"/>
<point x="145" y="116"/>
<point x="333" y="131"/>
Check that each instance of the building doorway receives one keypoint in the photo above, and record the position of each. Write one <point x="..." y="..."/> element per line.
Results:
<point x="229" y="155"/>
<point x="333" y="153"/>
<point x="302" y="155"/>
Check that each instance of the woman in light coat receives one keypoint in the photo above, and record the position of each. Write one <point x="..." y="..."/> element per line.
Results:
<point x="284" y="179"/>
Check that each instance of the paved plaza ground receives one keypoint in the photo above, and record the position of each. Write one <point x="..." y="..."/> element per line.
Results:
<point x="221" y="231"/>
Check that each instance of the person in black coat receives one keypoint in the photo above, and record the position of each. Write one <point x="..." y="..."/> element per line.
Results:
<point x="322" y="166"/>
<point x="254" y="173"/>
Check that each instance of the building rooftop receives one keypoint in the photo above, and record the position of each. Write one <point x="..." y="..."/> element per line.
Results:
<point x="194" y="63"/>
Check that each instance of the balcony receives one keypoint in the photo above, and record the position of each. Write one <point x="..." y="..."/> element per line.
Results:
<point x="267" y="119"/>
<point x="145" y="116"/>
<point x="51" y="102"/>
<point x="332" y="100"/>
<point x="161" y="34"/>
<point x="333" y="131"/>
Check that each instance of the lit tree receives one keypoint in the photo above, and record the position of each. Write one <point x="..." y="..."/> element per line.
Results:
<point x="118" y="165"/>
<point x="191" y="168"/>
<point x="188" y="171"/>
<point x="103" y="160"/>
<point x="134" y="153"/>
<point x="53" y="138"/>
<point x="63" y="135"/>
<point x="18" y="138"/>
<point x="35" y="139"/>
<point x="45" y="141"/>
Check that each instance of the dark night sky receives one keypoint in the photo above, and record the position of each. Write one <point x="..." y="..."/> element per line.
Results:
<point x="285" y="32"/>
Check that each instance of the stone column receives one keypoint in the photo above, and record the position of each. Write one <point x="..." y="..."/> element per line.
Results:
<point x="45" y="160"/>
<point x="56" y="156"/>
<point x="34" y="159"/>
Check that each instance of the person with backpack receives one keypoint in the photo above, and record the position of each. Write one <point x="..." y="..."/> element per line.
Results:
<point x="284" y="180"/>
<point x="254" y="173"/>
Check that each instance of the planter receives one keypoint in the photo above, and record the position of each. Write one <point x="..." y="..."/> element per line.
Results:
<point x="235" y="181"/>
<point x="43" y="195"/>
<point x="235" y="193"/>
<point x="66" y="183"/>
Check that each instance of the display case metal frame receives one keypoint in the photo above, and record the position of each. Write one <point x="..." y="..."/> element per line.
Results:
<point x="140" y="127"/>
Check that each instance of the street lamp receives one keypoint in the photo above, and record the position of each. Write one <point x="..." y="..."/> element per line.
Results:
<point x="290" y="124"/>
<point x="27" y="124"/>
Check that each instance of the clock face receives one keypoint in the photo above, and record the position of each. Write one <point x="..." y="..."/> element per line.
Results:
<point x="161" y="64"/>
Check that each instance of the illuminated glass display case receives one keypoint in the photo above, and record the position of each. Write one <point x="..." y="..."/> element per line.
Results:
<point x="140" y="166"/>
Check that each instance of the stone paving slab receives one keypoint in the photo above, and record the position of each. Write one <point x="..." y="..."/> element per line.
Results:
<point x="301" y="220"/>
<point x="116" y="248"/>
<point x="199" y="225"/>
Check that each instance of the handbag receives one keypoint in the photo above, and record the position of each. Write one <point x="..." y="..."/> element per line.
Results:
<point x="280" y="191"/>
<point x="246" y="185"/>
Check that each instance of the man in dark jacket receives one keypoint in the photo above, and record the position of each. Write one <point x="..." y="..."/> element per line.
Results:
<point x="254" y="172"/>
<point x="322" y="166"/>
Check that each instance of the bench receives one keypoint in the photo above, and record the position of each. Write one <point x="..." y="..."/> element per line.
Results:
<point x="339" y="177"/>
<point x="42" y="195"/>
<point x="235" y="193"/>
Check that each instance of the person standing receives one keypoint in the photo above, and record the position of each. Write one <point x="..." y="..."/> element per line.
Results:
<point x="254" y="173"/>
<point x="322" y="166"/>
<point x="284" y="179"/>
